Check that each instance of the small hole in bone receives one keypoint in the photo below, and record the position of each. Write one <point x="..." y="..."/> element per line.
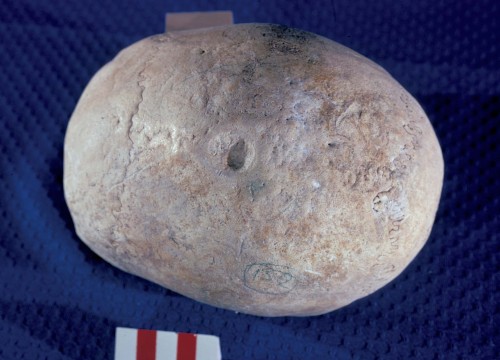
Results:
<point x="237" y="155"/>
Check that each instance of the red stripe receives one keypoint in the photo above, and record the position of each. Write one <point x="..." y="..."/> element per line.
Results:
<point x="146" y="345"/>
<point x="186" y="346"/>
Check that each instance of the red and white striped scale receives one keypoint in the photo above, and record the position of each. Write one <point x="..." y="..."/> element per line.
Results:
<point x="138" y="344"/>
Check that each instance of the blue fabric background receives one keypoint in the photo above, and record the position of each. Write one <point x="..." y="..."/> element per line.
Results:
<point x="58" y="300"/>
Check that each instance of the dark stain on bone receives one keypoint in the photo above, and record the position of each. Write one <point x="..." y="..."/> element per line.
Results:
<point x="254" y="187"/>
<point x="285" y="40"/>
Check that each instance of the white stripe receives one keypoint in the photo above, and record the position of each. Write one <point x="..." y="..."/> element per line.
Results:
<point x="125" y="344"/>
<point x="207" y="347"/>
<point x="166" y="345"/>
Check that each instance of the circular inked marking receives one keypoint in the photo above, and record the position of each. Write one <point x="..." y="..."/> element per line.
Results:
<point x="267" y="278"/>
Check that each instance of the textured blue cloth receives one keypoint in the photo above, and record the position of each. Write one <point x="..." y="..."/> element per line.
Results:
<point x="58" y="300"/>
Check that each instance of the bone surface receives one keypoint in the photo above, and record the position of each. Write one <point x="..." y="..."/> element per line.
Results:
<point x="253" y="167"/>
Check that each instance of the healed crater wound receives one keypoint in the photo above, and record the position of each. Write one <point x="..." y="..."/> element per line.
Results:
<point x="253" y="167"/>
